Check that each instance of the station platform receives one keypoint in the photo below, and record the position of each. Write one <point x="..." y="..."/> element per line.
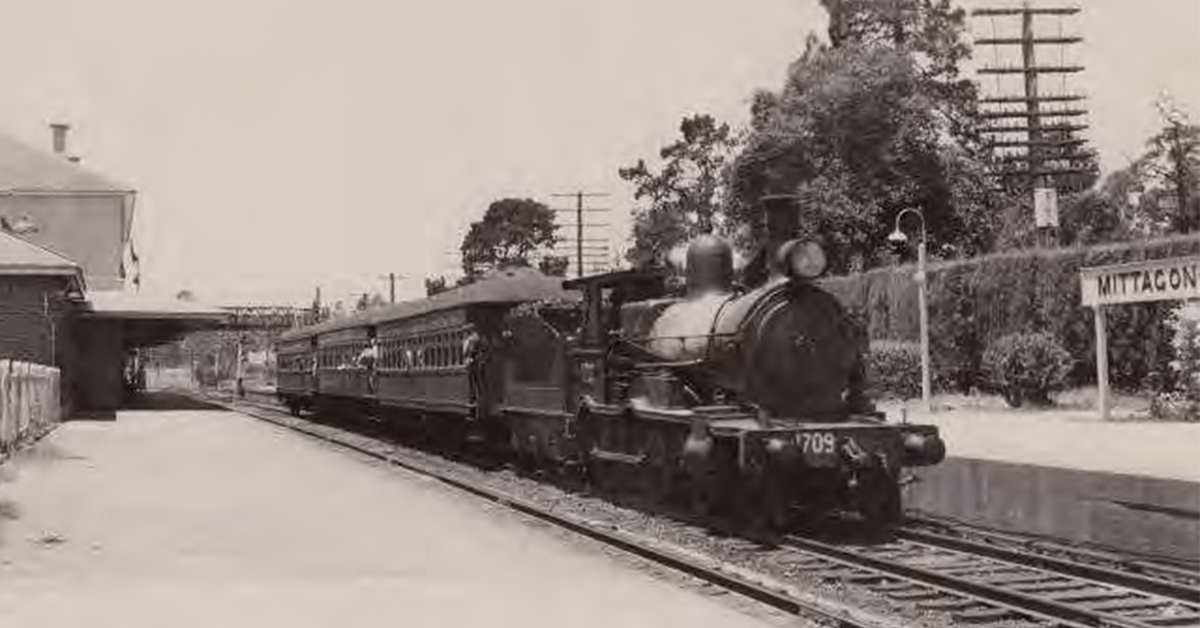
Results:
<point x="1127" y="485"/>
<point x="194" y="516"/>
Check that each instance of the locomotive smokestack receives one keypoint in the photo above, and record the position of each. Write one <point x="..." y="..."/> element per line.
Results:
<point x="783" y="222"/>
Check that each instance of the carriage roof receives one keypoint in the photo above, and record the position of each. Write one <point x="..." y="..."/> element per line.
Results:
<point x="505" y="287"/>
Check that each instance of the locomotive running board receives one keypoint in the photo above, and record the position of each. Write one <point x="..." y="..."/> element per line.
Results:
<point x="613" y="456"/>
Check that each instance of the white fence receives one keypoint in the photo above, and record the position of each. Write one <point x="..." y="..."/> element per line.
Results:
<point x="29" y="402"/>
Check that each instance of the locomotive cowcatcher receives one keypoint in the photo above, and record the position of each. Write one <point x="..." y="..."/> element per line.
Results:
<point x="747" y="399"/>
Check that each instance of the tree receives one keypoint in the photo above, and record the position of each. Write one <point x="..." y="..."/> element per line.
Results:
<point x="1091" y="217"/>
<point x="434" y="285"/>
<point x="1158" y="193"/>
<point x="554" y="265"/>
<point x="369" y="301"/>
<point x="511" y="233"/>
<point x="684" y="198"/>
<point x="1172" y="164"/>
<point x="931" y="30"/>
<point x="868" y="126"/>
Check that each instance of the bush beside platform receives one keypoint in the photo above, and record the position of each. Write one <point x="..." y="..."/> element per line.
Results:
<point x="973" y="303"/>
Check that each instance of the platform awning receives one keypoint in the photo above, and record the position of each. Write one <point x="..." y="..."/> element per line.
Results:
<point x="148" y="320"/>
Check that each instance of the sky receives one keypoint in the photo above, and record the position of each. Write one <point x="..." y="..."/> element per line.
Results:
<point x="279" y="145"/>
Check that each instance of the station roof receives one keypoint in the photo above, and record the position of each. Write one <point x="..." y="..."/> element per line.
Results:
<point x="19" y="256"/>
<point x="125" y="304"/>
<point x="148" y="320"/>
<point x="24" y="169"/>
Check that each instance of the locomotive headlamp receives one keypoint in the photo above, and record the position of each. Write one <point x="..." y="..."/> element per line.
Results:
<point x="804" y="259"/>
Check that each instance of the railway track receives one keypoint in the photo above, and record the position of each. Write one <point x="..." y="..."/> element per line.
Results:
<point x="1170" y="576"/>
<point x="969" y="581"/>
<point x="981" y="588"/>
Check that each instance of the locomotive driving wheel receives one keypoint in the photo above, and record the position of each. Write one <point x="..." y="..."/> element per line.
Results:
<point x="658" y="474"/>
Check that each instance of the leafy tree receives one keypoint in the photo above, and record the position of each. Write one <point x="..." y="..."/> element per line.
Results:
<point x="434" y="285"/>
<point x="871" y="124"/>
<point x="1155" y="195"/>
<point x="1172" y="166"/>
<point x="930" y="29"/>
<point x="368" y="301"/>
<point x="1091" y="217"/>
<point x="684" y="197"/>
<point x="554" y="265"/>
<point x="511" y="233"/>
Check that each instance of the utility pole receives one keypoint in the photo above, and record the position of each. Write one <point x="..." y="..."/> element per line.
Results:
<point x="580" y="224"/>
<point x="391" y="279"/>
<point x="1044" y="132"/>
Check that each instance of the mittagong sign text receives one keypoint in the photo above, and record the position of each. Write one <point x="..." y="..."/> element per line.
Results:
<point x="1158" y="280"/>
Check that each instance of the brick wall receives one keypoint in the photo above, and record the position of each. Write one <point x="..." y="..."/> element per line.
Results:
<point x="27" y="334"/>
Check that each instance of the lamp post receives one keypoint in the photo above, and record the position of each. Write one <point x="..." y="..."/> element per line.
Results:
<point x="897" y="237"/>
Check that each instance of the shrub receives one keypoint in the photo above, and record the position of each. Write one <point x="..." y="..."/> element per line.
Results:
<point x="894" y="368"/>
<point x="975" y="301"/>
<point x="1186" y="343"/>
<point x="1026" y="367"/>
<point x="1175" y="406"/>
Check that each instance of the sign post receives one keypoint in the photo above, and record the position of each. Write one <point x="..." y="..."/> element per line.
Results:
<point x="1138" y="282"/>
<point x="1101" y="363"/>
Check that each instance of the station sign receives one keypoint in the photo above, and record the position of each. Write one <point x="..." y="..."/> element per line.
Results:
<point x="1157" y="280"/>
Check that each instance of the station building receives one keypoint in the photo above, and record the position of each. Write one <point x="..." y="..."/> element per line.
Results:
<point x="66" y="297"/>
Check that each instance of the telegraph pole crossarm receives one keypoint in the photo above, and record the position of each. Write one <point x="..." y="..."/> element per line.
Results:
<point x="580" y="224"/>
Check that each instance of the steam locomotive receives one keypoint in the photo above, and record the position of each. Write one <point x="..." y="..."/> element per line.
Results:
<point x="745" y="399"/>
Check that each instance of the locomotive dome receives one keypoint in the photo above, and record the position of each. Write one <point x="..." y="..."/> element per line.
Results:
<point x="709" y="266"/>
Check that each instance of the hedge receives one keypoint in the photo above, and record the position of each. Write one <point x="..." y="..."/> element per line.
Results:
<point x="973" y="302"/>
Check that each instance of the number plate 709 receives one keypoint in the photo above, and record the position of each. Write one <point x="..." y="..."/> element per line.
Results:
<point x="817" y="443"/>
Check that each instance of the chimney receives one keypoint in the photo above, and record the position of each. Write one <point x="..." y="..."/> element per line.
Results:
<point x="59" y="131"/>
<point x="783" y="224"/>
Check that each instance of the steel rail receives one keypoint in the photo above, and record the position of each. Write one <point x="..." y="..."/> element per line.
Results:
<point x="832" y="613"/>
<point x="1154" y="566"/>
<point x="1014" y="600"/>
<point x="1178" y="591"/>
